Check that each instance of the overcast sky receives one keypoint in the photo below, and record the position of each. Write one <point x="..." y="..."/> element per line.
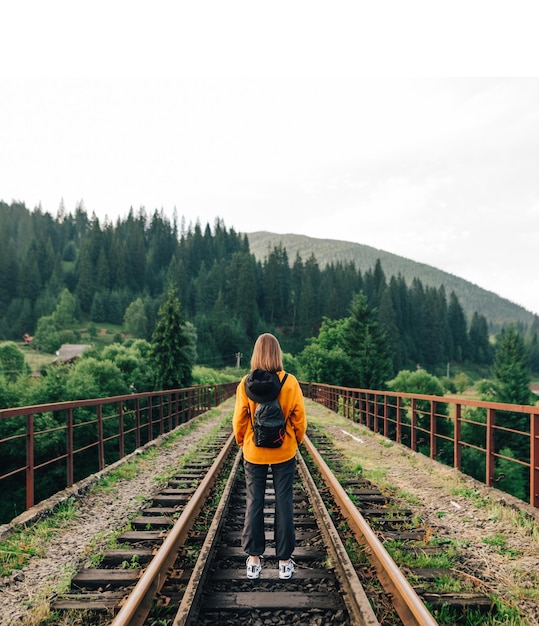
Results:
<point x="409" y="127"/>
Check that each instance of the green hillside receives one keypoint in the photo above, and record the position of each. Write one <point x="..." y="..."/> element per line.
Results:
<point x="497" y="310"/>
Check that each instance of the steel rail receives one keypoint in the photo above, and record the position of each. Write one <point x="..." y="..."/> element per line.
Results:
<point x="188" y="608"/>
<point x="407" y="603"/>
<point x="138" y="604"/>
<point x="355" y="598"/>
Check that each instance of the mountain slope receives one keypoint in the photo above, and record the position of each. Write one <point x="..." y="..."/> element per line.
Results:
<point x="497" y="310"/>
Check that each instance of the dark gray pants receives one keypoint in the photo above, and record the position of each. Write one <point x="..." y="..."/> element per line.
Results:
<point x="253" y="538"/>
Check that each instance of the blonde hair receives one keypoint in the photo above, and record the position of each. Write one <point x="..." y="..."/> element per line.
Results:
<point x="267" y="354"/>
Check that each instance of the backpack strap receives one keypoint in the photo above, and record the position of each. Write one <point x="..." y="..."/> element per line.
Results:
<point x="249" y="408"/>
<point x="288" y="416"/>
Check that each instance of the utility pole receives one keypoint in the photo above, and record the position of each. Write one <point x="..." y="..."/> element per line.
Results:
<point x="238" y="359"/>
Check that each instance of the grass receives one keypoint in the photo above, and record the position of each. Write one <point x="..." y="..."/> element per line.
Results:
<point x="36" y="360"/>
<point x="499" y="615"/>
<point x="446" y="558"/>
<point x="499" y="512"/>
<point x="500" y="542"/>
<point x="25" y="543"/>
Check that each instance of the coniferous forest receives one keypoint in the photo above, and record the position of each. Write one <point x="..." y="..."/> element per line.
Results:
<point x="118" y="272"/>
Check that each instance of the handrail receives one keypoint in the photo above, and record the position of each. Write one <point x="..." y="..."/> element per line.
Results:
<point x="48" y="447"/>
<point x="45" y="448"/>
<point x="448" y="429"/>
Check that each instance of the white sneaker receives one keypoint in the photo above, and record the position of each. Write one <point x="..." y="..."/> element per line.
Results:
<point x="286" y="569"/>
<point x="253" y="569"/>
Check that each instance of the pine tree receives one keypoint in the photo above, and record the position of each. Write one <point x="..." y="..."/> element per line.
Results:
<point x="86" y="279"/>
<point x="276" y="281"/>
<point x="242" y="283"/>
<point x="135" y="319"/>
<point x="172" y="347"/>
<point x="532" y="344"/>
<point x="511" y="368"/>
<point x="65" y="314"/>
<point x="512" y="386"/>
<point x="388" y="320"/>
<point x="481" y="350"/>
<point x="296" y="283"/>
<point x="366" y="344"/>
<point x="9" y="270"/>
<point x="458" y="333"/>
<point x="309" y="310"/>
<point x="102" y="270"/>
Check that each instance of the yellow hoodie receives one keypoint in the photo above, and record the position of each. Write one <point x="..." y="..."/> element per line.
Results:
<point x="291" y="401"/>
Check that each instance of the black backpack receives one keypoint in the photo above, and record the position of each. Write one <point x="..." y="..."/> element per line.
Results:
<point x="269" y="423"/>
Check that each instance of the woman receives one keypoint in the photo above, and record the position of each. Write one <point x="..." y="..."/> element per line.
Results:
<point x="267" y="357"/>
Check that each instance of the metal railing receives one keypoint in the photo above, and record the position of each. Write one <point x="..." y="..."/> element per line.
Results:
<point x="496" y="443"/>
<point x="46" y="448"/>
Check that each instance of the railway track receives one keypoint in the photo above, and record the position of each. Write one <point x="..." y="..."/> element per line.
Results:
<point x="180" y="562"/>
<point x="395" y="527"/>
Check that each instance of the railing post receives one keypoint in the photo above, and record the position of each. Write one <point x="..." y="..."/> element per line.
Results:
<point x="368" y="421"/>
<point x="150" y="418"/>
<point x="534" y="460"/>
<point x="100" y="441"/>
<point x="398" y="433"/>
<point x="69" y="444"/>
<point x="413" y="431"/>
<point x="176" y="409"/>
<point x="457" y="456"/>
<point x="489" y="479"/>
<point x="161" y="417"/>
<point x="121" y="430"/>
<point x="433" y="429"/>
<point x="386" y="410"/>
<point x="29" y="460"/>
<point x="170" y="404"/>
<point x="137" y="422"/>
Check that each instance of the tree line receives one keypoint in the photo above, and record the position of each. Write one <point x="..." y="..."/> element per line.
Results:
<point x="116" y="273"/>
<point x="353" y="351"/>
